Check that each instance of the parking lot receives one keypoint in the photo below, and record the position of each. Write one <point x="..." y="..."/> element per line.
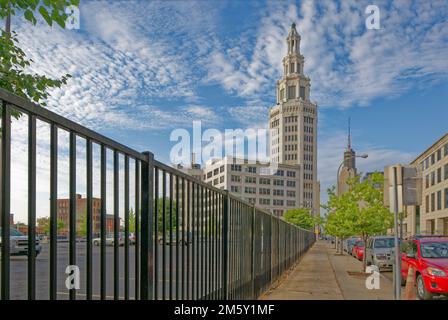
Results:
<point x="18" y="267"/>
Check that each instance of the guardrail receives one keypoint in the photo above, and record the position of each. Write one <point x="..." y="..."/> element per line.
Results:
<point x="192" y="241"/>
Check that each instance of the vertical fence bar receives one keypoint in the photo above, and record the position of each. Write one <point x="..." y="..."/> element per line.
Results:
<point x="163" y="235"/>
<point x="146" y="232"/>
<point x="116" y="228"/>
<point x="252" y="241"/>
<point x="177" y="266"/>
<point x="202" y="243"/>
<point x="31" y="207"/>
<point x="225" y="236"/>
<point x="103" y="261"/>
<point x="89" y="213"/>
<point x="126" y="227"/>
<point x="72" y="191"/>
<point x="193" y="240"/>
<point x="184" y="241"/>
<point x="53" y="210"/>
<point x="171" y="237"/>
<point x="137" y="229"/>
<point x="156" y="233"/>
<point x="190" y="206"/>
<point x="5" y="196"/>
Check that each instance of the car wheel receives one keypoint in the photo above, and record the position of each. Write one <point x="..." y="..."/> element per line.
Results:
<point x="422" y="293"/>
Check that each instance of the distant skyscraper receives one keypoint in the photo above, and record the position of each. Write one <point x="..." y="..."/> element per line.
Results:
<point x="293" y="122"/>
<point x="348" y="170"/>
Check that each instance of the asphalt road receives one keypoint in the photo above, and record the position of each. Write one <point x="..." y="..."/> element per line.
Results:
<point x="18" y="269"/>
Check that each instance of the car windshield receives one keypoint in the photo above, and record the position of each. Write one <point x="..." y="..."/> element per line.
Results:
<point x="434" y="250"/>
<point x="360" y="244"/>
<point x="384" y="243"/>
<point x="13" y="233"/>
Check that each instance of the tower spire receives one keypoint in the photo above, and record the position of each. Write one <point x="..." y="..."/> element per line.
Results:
<point x="349" y="142"/>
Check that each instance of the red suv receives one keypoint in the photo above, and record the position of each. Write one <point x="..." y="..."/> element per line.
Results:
<point x="429" y="258"/>
<point x="358" y="250"/>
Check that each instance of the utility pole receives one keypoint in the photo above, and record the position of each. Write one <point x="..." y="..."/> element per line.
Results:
<point x="397" y="265"/>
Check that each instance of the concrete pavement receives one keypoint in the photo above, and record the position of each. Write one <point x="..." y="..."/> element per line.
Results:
<point x="323" y="275"/>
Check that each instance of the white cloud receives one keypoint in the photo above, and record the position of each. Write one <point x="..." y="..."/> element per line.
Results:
<point x="348" y="64"/>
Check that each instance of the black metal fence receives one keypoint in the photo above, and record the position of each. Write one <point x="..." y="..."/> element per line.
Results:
<point x="177" y="238"/>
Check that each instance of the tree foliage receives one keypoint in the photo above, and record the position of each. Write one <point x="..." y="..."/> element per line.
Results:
<point x="359" y="211"/>
<point x="14" y="64"/>
<point x="301" y="217"/>
<point x="44" y="223"/>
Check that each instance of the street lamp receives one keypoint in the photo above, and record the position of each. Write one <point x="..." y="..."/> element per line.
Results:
<point x="363" y="156"/>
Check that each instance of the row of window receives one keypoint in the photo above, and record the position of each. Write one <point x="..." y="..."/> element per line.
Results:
<point x="308" y="138"/>
<point x="291" y="128"/>
<point x="290" y="147"/>
<point x="308" y="129"/>
<point x="291" y="119"/>
<point x="290" y="156"/>
<point x="275" y="202"/>
<point x="435" y="157"/>
<point x="264" y="191"/>
<point x="436" y="202"/>
<point x="308" y="147"/>
<point x="291" y="137"/>
<point x="435" y="177"/>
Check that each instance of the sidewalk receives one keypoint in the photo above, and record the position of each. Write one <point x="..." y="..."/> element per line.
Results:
<point x="322" y="275"/>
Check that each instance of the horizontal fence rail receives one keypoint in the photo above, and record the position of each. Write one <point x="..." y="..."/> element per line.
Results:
<point x="152" y="232"/>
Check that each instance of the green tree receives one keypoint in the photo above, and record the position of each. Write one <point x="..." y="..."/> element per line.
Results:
<point x="167" y="215"/>
<point x="372" y="218"/>
<point x="340" y="216"/>
<point x="13" y="61"/>
<point x="301" y="217"/>
<point x="44" y="223"/>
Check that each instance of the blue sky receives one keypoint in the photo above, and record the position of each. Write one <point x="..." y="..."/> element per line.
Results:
<point x="143" y="68"/>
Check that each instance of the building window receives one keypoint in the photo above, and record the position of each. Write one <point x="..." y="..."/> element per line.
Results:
<point x="216" y="171"/>
<point x="278" y="192"/>
<point x="234" y="189"/>
<point x="427" y="203"/>
<point x="446" y="150"/>
<point x="439" y="154"/>
<point x="439" y="200"/>
<point x="290" y="203"/>
<point x="433" y="178"/>
<point x="302" y="92"/>
<point x="209" y="174"/>
<point x="221" y="169"/>
<point x="439" y="175"/>
<point x="433" y="202"/>
<point x="291" y="67"/>
<point x="433" y="159"/>
<point x="235" y="167"/>
<point x="252" y="169"/>
<point x="215" y="181"/>
<point x="291" y="174"/>
<point x="282" y="94"/>
<point x="265" y="181"/>
<point x="250" y="180"/>
<point x="221" y="179"/>
<point x="446" y="198"/>
<point x="290" y="183"/>
<point x="290" y="193"/>
<point x="427" y="181"/>
<point x="446" y="171"/>
<point x="291" y="92"/>
<point x="278" y="182"/>
<point x="235" y="178"/>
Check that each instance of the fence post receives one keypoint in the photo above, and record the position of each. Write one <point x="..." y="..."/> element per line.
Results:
<point x="225" y="237"/>
<point x="252" y="240"/>
<point x="146" y="259"/>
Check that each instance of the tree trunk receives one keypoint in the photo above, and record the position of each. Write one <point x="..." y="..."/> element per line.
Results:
<point x="364" y="262"/>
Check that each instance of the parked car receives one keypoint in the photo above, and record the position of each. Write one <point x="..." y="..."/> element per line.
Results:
<point x="358" y="250"/>
<point x="349" y="243"/>
<point x="184" y="238"/>
<point x="19" y="243"/>
<point x="110" y="241"/>
<point x="429" y="258"/>
<point x="379" y="252"/>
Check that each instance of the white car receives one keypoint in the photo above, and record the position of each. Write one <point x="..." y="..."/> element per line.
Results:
<point x="19" y="243"/>
<point x="110" y="240"/>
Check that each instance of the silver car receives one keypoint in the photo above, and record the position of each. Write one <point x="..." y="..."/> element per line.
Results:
<point x="379" y="251"/>
<point x="18" y="243"/>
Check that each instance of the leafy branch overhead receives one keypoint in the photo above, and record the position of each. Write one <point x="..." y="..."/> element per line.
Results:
<point x="50" y="10"/>
<point x="13" y="60"/>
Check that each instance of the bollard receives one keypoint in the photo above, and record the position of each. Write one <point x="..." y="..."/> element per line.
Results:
<point x="409" y="292"/>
